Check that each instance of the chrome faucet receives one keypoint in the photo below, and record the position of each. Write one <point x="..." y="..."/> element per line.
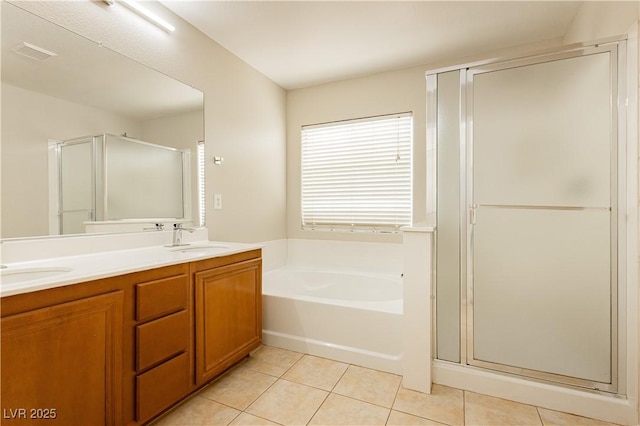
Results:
<point x="177" y="235"/>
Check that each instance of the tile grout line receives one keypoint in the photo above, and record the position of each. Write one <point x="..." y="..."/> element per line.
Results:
<point x="424" y="418"/>
<point x="263" y="418"/>
<point x="328" y="393"/>
<point x="277" y="379"/>
<point x="282" y="378"/>
<point x="420" y="416"/>
<point x="362" y="400"/>
<point x="340" y="378"/>
<point x="464" y="407"/>
<point x="393" y="402"/>
<point x="235" y="368"/>
<point x="332" y="390"/>
<point x="539" y="416"/>
<point x="240" y="411"/>
<point x="318" y="409"/>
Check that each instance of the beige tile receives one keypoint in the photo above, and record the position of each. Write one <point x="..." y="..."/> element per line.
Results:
<point x="556" y="418"/>
<point x="288" y="403"/>
<point x="368" y="385"/>
<point x="271" y="360"/>
<point x="317" y="372"/>
<point x="165" y="420"/>
<point x="444" y="404"/>
<point x="403" y="419"/>
<point x="238" y="388"/>
<point x="199" y="411"/>
<point x="486" y="410"/>
<point x="340" y="410"/>
<point x="245" y="419"/>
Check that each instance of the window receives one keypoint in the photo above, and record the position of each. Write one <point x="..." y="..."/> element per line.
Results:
<point x="202" y="200"/>
<point x="356" y="174"/>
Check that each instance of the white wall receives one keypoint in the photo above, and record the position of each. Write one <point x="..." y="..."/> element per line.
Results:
<point x="29" y="119"/>
<point x="244" y="111"/>
<point x="601" y="19"/>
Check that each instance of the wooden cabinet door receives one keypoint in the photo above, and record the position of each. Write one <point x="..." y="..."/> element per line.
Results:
<point x="63" y="364"/>
<point x="228" y="316"/>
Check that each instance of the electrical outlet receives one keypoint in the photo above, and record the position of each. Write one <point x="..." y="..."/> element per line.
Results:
<point x="217" y="201"/>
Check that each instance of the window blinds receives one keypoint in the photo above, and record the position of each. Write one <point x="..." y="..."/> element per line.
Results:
<point x="202" y="199"/>
<point x="356" y="174"/>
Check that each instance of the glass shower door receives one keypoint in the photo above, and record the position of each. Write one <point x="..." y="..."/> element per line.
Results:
<point x="76" y="185"/>
<point x="542" y="218"/>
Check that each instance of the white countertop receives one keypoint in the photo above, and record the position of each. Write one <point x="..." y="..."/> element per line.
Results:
<point x="106" y="264"/>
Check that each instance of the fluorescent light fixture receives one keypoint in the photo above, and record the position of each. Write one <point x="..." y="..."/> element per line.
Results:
<point x="143" y="11"/>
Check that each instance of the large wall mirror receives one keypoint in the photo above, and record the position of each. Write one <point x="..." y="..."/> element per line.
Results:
<point x="59" y="88"/>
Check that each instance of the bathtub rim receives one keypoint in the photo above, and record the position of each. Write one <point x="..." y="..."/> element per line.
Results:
<point x="392" y="306"/>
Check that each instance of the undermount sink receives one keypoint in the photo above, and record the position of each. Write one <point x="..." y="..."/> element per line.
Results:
<point x="12" y="276"/>
<point x="200" y="248"/>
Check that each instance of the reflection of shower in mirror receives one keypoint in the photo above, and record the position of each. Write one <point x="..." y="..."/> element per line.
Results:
<point x="105" y="178"/>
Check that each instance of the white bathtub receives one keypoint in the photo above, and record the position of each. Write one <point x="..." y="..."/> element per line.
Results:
<point x="346" y="316"/>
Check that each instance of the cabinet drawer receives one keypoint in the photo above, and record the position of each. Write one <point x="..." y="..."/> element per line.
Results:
<point x="161" y="386"/>
<point x="159" y="297"/>
<point x="160" y="339"/>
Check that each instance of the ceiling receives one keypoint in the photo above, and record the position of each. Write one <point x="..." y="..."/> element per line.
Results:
<point x="304" y="43"/>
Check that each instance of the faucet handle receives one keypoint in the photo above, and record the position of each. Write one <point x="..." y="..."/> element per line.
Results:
<point x="180" y="227"/>
<point x="157" y="227"/>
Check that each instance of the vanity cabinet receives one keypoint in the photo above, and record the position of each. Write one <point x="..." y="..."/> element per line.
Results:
<point x="163" y="343"/>
<point x="62" y="364"/>
<point x="122" y="350"/>
<point x="228" y="311"/>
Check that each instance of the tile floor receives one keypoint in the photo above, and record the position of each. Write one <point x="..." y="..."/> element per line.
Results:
<point x="279" y="387"/>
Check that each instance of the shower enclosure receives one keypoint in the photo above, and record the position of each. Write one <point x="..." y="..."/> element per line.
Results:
<point x="113" y="178"/>
<point x="529" y="205"/>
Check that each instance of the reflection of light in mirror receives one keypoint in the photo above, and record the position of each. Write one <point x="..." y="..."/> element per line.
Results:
<point x="146" y="13"/>
<point x="33" y="52"/>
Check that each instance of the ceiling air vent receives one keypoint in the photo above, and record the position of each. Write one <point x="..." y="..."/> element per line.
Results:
<point x="34" y="52"/>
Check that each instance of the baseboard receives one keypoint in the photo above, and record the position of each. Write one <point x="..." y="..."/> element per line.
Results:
<point x="368" y="359"/>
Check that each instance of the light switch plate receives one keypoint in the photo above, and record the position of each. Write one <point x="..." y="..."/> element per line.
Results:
<point x="217" y="201"/>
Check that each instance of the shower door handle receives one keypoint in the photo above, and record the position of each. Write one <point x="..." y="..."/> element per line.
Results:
<point x="472" y="214"/>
